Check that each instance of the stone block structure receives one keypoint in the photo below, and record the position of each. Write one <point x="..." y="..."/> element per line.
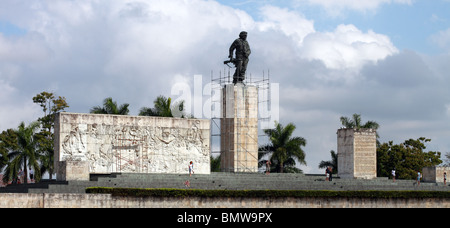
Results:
<point x="435" y="174"/>
<point x="72" y="170"/>
<point x="105" y="144"/>
<point x="357" y="153"/>
<point x="239" y="128"/>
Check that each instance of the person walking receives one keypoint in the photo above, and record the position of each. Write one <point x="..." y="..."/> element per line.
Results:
<point x="418" y="178"/>
<point x="31" y="172"/>
<point x="393" y="174"/>
<point x="331" y="173"/>
<point x="191" y="168"/>
<point x="20" y="177"/>
<point x="268" y="163"/>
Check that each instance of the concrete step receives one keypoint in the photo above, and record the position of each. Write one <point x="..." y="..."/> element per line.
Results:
<point x="235" y="181"/>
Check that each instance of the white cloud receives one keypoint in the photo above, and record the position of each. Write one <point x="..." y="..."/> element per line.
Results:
<point x="137" y="45"/>
<point x="336" y="7"/>
<point x="442" y="39"/>
<point x="344" y="48"/>
<point x="5" y="90"/>
<point x="290" y="23"/>
<point x="23" y="49"/>
<point x="14" y="109"/>
<point x="347" y="47"/>
<point x="130" y="50"/>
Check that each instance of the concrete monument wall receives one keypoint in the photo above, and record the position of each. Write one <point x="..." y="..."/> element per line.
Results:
<point x="55" y="200"/>
<point x="239" y="128"/>
<point x="435" y="174"/>
<point x="105" y="144"/>
<point x="357" y="153"/>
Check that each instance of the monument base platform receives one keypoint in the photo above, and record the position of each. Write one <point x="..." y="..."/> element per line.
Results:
<point x="239" y="128"/>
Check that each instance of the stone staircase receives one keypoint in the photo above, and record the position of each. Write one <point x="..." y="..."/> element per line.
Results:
<point x="231" y="181"/>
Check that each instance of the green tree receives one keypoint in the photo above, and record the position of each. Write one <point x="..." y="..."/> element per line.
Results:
<point x="163" y="107"/>
<point x="8" y="143"/>
<point x="355" y="123"/>
<point x="111" y="107"/>
<point x="333" y="163"/>
<point x="447" y="159"/>
<point x="215" y="164"/>
<point x="284" y="149"/>
<point x="25" y="154"/>
<point x="51" y="106"/>
<point x="406" y="158"/>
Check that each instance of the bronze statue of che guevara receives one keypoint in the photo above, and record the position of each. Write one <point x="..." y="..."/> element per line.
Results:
<point x="243" y="51"/>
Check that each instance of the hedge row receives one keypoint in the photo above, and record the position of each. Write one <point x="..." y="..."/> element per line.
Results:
<point x="182" y="193"/>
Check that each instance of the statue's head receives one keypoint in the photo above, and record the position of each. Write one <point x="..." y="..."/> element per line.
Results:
<point x="243" y="35"/>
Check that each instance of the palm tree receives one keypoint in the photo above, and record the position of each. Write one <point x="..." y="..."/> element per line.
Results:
<point x="145" y="111"/>
<point x="163" y="107"/>
<point x="333" y="163"/>
<point x="26" y="154"/>
<point x="111" y="107"/>
<point x="284" y="148"/>
<point x="355" y="122"/>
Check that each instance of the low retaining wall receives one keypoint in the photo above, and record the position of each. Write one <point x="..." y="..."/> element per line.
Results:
<point x="56" y="200"/>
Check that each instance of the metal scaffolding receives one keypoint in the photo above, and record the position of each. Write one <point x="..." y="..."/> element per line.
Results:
<point x="237" y="136"/>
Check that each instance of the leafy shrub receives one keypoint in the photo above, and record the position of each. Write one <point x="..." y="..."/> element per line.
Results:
<point x="183" y="193"/>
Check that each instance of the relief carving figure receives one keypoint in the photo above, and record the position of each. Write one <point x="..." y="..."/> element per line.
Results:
<point x="134" y="148"/>
<point x="166" y="136"/>
<point x="73" y="144"/>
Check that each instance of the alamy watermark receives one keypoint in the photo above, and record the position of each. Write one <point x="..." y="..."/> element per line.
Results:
<point x="203" y="100"/>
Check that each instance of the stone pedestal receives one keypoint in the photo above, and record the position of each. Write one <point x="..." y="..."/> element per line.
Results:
<point x="239" y="128"/>
<point x="72" y="171"/>
<point x="435" y="174"/>
<point x="357" y="153"/>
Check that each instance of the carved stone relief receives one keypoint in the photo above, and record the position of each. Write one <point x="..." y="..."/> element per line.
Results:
<point x="127" y="144"/>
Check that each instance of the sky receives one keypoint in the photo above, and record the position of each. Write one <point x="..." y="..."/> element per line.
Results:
<point x="387" y="60"/>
